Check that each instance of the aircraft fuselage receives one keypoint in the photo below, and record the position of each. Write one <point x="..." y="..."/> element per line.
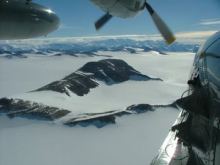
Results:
<point x="195" y="137"/>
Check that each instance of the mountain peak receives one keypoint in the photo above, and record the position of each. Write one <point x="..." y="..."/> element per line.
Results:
<point x="110" y="71"/>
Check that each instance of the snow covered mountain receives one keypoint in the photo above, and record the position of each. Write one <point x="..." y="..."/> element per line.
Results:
<point x="33" y="110"/>
<point x="73" y="47"/>
<point x="133" y="111"/>
<point x="109" y="71"/>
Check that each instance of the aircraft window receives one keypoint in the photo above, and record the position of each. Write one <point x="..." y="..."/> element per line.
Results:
<point x="213" y="61"/>
<point x="212" y="56"/>
<point x="214" y="49"/>
<point x="208" y="42"/>
<point x="214" y="69"/>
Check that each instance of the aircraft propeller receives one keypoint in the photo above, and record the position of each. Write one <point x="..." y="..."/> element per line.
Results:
<point x="104" y="19"/>
<point x="162" y="27"/>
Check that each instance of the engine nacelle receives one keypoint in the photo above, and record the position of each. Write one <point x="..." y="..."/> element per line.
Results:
<point x="120" y="8"/>
<point x="25" y="19"/>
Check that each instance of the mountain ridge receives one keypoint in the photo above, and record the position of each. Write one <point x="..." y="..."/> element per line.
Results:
<point x="33" y="110"/>
<point x="91" y="48"/>
<point x="110" y="71"/>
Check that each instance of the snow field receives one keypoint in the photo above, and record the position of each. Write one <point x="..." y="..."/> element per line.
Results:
<point x="134" y="139"/>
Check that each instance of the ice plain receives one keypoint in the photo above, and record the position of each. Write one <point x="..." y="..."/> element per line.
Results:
<point x="134" y="139"/>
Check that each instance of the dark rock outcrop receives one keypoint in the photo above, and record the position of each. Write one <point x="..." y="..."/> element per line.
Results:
<point x="32" y="110"/>
<point x="99" y="122"/>
<point x="77" y="83"/>
<point x="102" y="119"/>
<point x="28" y="109"/>
<point x="141" y="108"/>
<point x="111" y="71"/>
<point x="17" y="55"/>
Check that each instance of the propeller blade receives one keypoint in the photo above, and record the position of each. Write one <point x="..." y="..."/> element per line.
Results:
<point x="103" y="20"/>
<point x="162" y="27"/>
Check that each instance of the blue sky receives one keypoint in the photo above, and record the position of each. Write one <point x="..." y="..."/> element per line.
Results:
<point x="195" y="18"/>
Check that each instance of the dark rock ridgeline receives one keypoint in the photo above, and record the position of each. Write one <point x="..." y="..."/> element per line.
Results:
<point x="77" y="82"/>
<point x="99" y="122"/>
<point x="28" y="109"/>
<point x="53" y="53"/>
<point x="102" y="119"/>
<point x="17" y="55"/>
<point x="141" y="108"/>
<point x="78" y="54"/>
<point x="111" y="71"/>
<point x="32" y="110"/>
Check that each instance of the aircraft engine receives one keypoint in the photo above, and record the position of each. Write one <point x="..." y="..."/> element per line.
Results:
<point x="122" y="8"/>
<point x="129" y="9"/>
<point x="24" y="19"/>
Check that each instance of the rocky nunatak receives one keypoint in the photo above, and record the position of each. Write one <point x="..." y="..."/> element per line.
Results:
<point x="32" y="110"/>
<point x="28" y="109"/>
<point x="110" y="71"/>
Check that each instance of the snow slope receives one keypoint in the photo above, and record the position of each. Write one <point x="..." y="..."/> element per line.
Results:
<point x="134" y="139"/>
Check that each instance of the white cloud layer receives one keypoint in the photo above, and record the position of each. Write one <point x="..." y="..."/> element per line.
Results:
<point x="182" y="37"/>
<point x="194" y="36"/>
<point x="209" y="22"/>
